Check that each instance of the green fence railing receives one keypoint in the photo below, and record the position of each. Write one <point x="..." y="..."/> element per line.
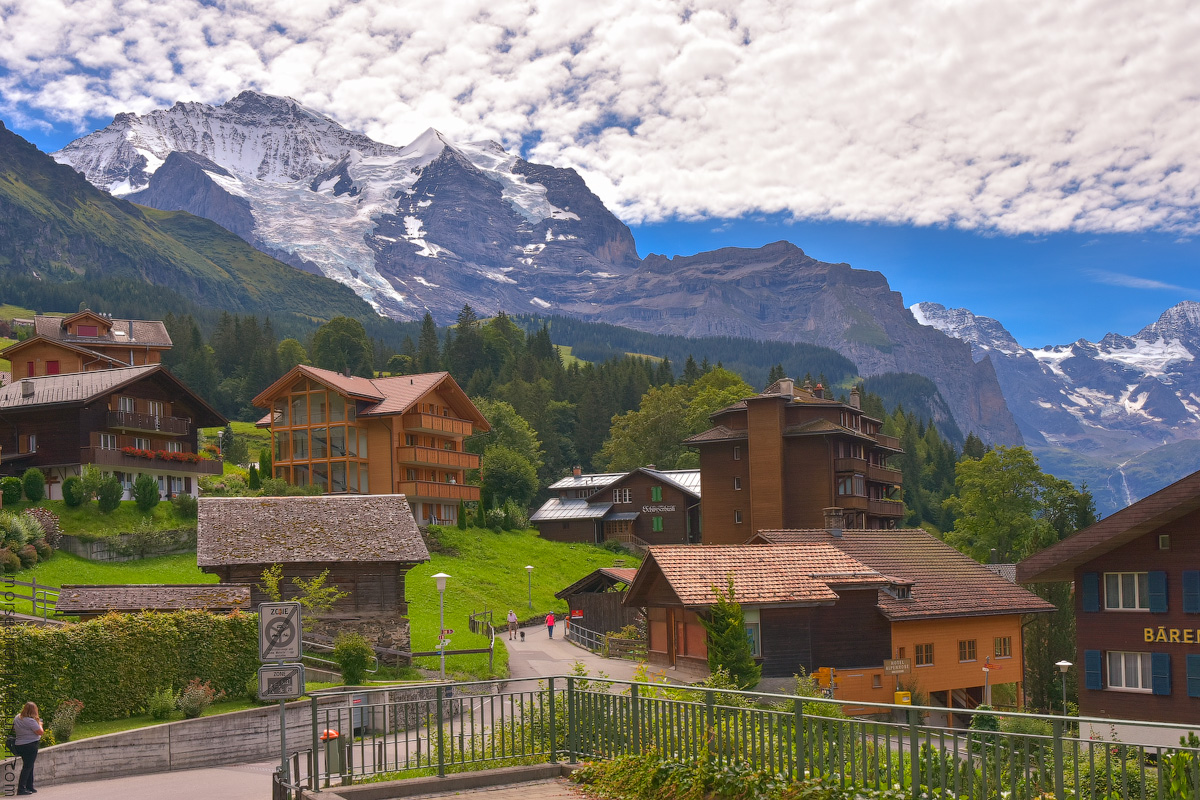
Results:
<point x="437" y="729"/>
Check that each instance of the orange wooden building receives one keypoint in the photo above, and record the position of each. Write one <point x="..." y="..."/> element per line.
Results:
<point x="85" y="342"/>
<point x="778" y="459"/>
<point x="397" y="435"/>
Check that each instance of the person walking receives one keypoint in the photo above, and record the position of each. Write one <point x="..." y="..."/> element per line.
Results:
<point x="550" y="624"/>
<point x="512" y="625"/>
<point x="28" y="730"/>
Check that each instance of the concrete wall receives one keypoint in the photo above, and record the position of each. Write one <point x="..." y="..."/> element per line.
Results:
<point x="236" y="738"/>
<point x="111" y="549"/>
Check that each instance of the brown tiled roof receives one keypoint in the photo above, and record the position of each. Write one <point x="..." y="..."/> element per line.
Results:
<point x="718" y="434"/>
<point x="1058" y="562"/>
<point x="598" y="580"/>
<point x="762" y="574"/>
<point x="136" y="332"/>
<point x="283" y="530"/>
<point x="816" y="427"/>
<point x="393" y="395"/>
<point x="946" y="583"/>
<point x="83" y="387"/>
<point x="98" y="599"/>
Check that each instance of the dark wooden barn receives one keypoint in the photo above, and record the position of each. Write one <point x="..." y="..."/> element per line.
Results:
<point x="596" y="600"/>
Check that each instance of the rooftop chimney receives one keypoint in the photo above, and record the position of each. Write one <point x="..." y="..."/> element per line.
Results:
<point x="855" y="398"/>
<point x="26" y="388"/>
<point x="576" y="471"/>
<point x="819" y="392"/>
<point x="834" y="522"/>
<point x="994" y="556"/>
<point x="787" y="388"/>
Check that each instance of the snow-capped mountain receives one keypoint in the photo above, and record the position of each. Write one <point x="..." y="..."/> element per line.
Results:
<point x="408" y="228"/>
<point x="1120" y="396"/>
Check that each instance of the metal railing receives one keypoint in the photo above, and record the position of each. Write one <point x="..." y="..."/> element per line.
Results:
<point x="40" y="596"/>
<point x="585" y="638"/>
<point x="491" y="723"/>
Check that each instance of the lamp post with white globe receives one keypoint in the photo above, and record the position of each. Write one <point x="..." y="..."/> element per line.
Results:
<point x="441" y="587"/>
<point x="1063" y="666"/>
<point x="529" y="572"/>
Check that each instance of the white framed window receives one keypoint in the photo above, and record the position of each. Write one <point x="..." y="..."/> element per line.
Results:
<point x="141" y="443"/>
<point x="737" y="453"/>
<point x="737" y="484"/>
<point x="1128" y="672"/>
<point x="1126" y="591"/>
<point x="108" y="441"/>
<point x="737" y="516"/>
<point x="622" y="495"/>
<point x="33" y="442"/>
<point x="753" y="631"/>
<point x="125" y="404"/>
<point x="154" y="408"/>
<point x="174" y="447"/>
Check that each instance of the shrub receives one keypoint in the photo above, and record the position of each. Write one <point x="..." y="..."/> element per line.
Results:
<point x="728" y="646"/>
<point x="48" y="739"/>
<point x="33" y="482"/>
<point x="9" y="561"/>
<point x="161" y="704"/>
<point x="186" y="506"/>
<point x="91" y="477"/>
<point x="515" y="518"/>
<point x="72" y="491"/>
<point x="62" y="724"/>
<point x="145" y="492"/>
<point x="274" y="487"/>
<point x="195" y="697"/>
<point x="28" y="556"/>
<point x="47" y="520"/>
<point x="44" y="550"/>
<point x="353" y="654"/>
<point x="984" y="721"/>
<point x="114" y="663"/>
<point x="109" y="495"/>
<point x="254" y="483"/>
<point x="17" y="530"/>
<point x="10" y="489"/>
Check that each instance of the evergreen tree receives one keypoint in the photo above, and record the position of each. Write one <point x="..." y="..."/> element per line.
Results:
<point x="776" y="374"/>
<point x="973" y="447"/>
<point x="691" y="372"/>
<point x="254" y="482"/>
<point x="728" y="645"/>
<point x="428" y="352"/>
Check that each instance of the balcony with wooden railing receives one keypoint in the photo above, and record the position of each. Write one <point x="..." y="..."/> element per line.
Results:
<point x="886" y="508"/>
<point x="858" y="465"/>
<point x="890" y="442"/>
<point x="883" y="474"/>
<point x="117" y="460"/>
<point x="432" y="423"/>
<point x="432" y="490"/>
<point x="436" y="457"/>
<point x="852" y="501"/>
<point x="136" y="421"/>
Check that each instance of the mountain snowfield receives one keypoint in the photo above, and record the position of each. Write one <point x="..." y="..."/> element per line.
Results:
<point x="1116" y="399"/>
<point x="316" y="191"/>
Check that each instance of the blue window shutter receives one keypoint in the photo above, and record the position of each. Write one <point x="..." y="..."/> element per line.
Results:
<point x="1160" y="673"/>
<point x="1093" y="677"/>
<point x="1191" y="591"/>
<point x="1193" y="675"/>
<point x="1158" y="591"/>
<point x="1091" y="591"/>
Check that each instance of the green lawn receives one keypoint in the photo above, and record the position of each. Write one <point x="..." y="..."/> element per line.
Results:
<point x="65" y="568"/>
<point x="487" y="571"/>
<point x="89" y="523"/>
<point x="256" y="438"/>
<point x="568" y="358"/>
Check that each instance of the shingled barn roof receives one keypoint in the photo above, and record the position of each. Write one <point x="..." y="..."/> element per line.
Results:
<point x="289" y="530"/>
<point x="100" y="599"/>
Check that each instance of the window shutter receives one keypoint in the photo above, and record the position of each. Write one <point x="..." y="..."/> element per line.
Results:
<point x="1191" y="591"/>
<point x="1091" y="591"/>
<point x="1193" y="675"/>
<point x="1160" y="673"/>
<point x="1093" y="677"/>
<point x="1158" y="591"/>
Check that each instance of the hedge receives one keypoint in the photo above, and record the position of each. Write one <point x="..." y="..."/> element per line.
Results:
<point x="116" y="662"/>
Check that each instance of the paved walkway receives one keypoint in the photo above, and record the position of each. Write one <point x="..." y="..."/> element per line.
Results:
<point x="240" y="782"/>
<point x="539" y="656"/>
<point x="556" y="789"/>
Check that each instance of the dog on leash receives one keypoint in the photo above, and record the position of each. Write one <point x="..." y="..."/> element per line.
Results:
<point x="522" y="635"/>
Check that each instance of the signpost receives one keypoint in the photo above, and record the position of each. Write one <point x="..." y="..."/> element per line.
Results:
<point x="279" y="641"/>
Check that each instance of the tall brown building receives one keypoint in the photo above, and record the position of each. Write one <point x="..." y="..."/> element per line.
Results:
<point x="779" y="459"/>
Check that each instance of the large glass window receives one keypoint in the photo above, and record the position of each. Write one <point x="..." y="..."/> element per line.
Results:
<point x="300" y="475"/>
<point x="283" y="445"/>
<point x="281" y="412"/>
<point x="352" y="441"/>
<point x="300" y="409"/>
<point x="1124" y="591"/>
<point x="337" y="441"/>
<point x="300" y="447"/>
<point x="1129" y="671"/>
<point x="320" y="475"/>
<point x="316" y="408"/>
<point x="337" y="476"/>
<point x="320" y="443"/>
<point x="352" y="478"/>
<point x="362" y="444"/>
<point x="337" y="407"/>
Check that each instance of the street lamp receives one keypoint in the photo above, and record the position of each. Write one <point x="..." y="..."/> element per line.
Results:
<point x="987" y="690"/>
<point x="529" y="572"/>
<point x="441" y="587"/>
<point x="1063" y="666"/>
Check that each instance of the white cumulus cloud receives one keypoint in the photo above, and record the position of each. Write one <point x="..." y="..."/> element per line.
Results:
<point x="1019" y="116"/>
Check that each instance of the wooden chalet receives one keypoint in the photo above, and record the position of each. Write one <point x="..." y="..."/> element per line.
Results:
<point x="85" y="342"/>
<point x="641" y="507"/>
<point x="778" y="459"/>
<point x="368" y="544"/>
<point x="805" y="605"/>
<point x="1137" y="612"/>
<point x="596" y="601"/>
<point x="397" y="435"/>
<point x="945" y="614"/>
<point x="93" y="600"/>
<point x="126" y="420"/>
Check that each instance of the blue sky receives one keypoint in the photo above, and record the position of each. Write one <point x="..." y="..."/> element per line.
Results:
<point x="1033" y="162"/>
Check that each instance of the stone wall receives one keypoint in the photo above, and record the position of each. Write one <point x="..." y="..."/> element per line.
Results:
<point x="127" y="547"/>
<point x="381" y="630"/>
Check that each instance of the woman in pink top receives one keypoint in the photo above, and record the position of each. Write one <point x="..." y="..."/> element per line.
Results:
<point x="550" y="624"/>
